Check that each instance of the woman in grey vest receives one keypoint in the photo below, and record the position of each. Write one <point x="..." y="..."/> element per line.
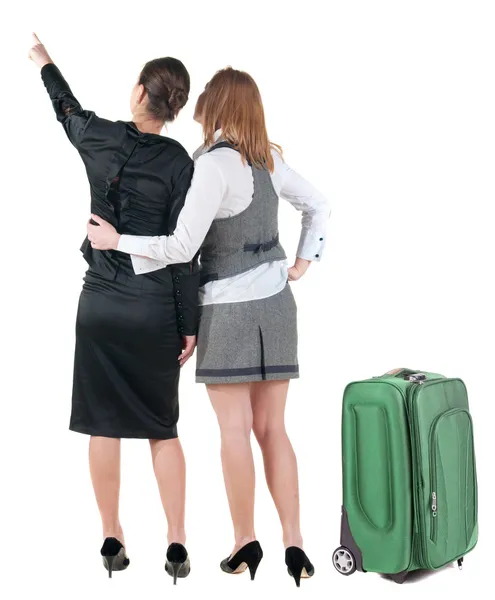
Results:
<point x="248" y="330"/>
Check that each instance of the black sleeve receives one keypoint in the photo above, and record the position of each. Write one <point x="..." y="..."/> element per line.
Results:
<point x="69" y="112"/>
<point x="186" y="286"/>
<point x="185" y="276"/>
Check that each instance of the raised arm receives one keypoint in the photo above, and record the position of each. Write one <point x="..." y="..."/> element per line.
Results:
<point x="67" y="109"/>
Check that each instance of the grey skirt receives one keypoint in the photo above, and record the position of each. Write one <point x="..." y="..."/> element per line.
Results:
<point x="248" y="341"/>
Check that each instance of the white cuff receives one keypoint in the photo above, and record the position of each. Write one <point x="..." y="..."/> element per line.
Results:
<point x="142" y="265"/>
<point x="311" y="245"/>
<point x="136" y="246"/>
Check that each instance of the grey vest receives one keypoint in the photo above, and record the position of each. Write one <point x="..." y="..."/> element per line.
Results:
<point x="237" y="244"/>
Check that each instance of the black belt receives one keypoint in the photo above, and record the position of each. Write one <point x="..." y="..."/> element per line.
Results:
<point x="265" y="247"/>
<point x="262" y="247"/>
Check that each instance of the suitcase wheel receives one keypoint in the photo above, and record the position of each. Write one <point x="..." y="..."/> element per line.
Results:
<point x="344" y="561"/>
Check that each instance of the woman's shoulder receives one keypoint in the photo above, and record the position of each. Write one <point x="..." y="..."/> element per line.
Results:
<point x="101" y="127"/>
<point x="176" y="151"/>
<point x="204" y="159"/>
<point x="277" y="154"/>
<point x="229" y="163"/>
<point x="174" y="145"/>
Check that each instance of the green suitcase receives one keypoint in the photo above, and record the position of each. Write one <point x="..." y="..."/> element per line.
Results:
<point x="409" y="475"/>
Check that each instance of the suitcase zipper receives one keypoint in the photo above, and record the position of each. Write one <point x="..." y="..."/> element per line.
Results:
<point x="433" y="525"/>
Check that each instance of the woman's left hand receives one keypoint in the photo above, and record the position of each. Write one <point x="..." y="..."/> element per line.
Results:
<point x="102" y="236"/>
<point x="188" y="346"/>
<point x="38" y="53"/>
<point x="300" y="267"/>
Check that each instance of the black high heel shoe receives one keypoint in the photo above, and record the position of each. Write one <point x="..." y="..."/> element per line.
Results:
<point x="298" y="564"/>
<point x="178" y="563"/>
<point x="248" y="557"/>
<point x="114" y="556"/>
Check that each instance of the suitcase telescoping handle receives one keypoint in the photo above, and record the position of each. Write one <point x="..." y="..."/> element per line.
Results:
<point x="407" y="374"/>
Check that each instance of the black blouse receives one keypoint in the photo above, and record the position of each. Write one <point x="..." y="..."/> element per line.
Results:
<point x="138" y="183"/>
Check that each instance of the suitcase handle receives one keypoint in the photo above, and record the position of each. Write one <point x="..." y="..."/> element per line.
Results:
<point x="409" y="374"/>
<point x="400" y="372"/>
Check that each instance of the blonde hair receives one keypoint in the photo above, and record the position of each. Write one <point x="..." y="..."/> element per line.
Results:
<point x="232" y="101"/>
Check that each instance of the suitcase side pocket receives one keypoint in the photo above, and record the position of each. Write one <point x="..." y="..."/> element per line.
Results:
<point x="453" y="510"/>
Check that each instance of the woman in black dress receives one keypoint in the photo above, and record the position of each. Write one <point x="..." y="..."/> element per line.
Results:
<point x="133" y="331"/>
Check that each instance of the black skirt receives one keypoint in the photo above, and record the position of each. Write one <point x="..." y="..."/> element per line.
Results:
<point x="126" y="370"/>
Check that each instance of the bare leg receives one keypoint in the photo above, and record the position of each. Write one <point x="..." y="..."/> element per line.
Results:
<point x="268" y="402"/>
<point x="170" y="471"/>
<point x="232" y="405"/>
<point x="104" y="465"/>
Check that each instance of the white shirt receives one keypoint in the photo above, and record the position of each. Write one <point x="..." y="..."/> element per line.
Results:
<point x="222" y="186"/>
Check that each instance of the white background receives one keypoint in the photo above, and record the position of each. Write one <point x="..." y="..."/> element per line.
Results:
<point x="388" y="108"/>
